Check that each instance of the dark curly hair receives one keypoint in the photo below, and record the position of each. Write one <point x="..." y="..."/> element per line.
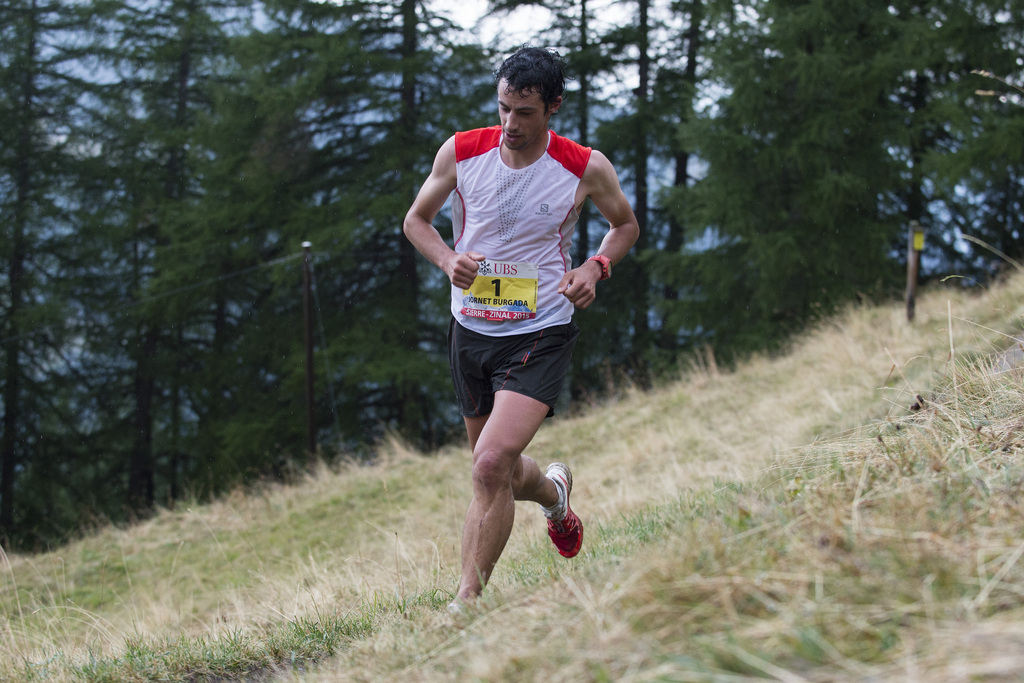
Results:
<point x="534" y="68"/>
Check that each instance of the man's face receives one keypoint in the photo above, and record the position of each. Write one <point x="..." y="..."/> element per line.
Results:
<point x="524" y="118"/>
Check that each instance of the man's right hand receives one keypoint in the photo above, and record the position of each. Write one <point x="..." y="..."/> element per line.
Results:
<point x="462" y="269"/>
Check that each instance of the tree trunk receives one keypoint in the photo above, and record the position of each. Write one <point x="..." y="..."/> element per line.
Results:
<point x="583" y="225"/>
<point x="411" y="407"/>
<point x="16" y="273"/>
<point x="641" y="328"/>
<point x="140" y="470"/>
<point x="676" y="237"/>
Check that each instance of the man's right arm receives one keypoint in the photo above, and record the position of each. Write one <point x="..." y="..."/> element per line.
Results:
<point x="461" y="269"/>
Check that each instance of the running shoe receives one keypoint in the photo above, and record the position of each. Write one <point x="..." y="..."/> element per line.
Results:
<point x="564" y="527"/>
<point x="457" y="608"/>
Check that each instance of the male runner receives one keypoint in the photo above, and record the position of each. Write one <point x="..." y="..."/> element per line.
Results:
<point x="518" y="189"/>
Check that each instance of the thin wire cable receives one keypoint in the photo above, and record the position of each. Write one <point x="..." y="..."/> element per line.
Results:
<point x="219" y="278"/>
<point x="160" y="295"/>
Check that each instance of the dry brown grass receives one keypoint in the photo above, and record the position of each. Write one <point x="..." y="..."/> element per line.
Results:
<point x="641" y="614"/>
<point x="731" y="531"/>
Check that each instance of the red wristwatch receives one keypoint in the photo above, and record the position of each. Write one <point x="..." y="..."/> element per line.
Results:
<point x="606" y="265"/>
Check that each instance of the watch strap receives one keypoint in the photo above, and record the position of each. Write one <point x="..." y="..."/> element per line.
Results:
<point x="605" y="263"/>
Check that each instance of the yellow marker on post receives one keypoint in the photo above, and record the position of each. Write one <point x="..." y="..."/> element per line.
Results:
<point x="915" y="245"/>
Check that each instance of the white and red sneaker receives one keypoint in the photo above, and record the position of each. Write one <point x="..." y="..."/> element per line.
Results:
<point x="564" y="527"/>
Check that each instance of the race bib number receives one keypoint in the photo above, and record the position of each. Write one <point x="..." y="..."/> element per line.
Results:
<point x="503" y="290"/>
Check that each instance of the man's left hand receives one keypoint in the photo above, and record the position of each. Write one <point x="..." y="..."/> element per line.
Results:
<point x="579" y="285"/>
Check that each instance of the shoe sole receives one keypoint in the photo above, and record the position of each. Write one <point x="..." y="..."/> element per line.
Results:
<point x="579" y="542"/>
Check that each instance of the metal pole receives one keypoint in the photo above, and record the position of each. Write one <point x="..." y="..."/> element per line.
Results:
<point x="307" y="316"/>
<point x="915" y="243"/>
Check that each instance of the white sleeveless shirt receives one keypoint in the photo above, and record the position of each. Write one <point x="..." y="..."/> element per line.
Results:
<point x="518" y="218"/>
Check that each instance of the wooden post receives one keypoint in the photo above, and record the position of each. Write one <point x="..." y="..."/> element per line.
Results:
<point x="915" y="244"/>
<point x="307" y="318"/>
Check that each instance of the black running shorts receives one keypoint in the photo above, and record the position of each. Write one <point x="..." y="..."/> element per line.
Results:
<point x="532" y="364"/>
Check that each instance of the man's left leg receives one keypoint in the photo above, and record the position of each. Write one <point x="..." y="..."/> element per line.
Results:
<point x="501" y="475"/>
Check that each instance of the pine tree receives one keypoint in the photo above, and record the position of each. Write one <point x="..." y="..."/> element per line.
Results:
<point x="679" y="86"/>
<point x="167" y="58"/>
<point x="371" y="89"/>
<point x="958" y="150"/>
<point x="656" y="58"/>
<point x="43" y="100"/>
<point x="797" y="156"/>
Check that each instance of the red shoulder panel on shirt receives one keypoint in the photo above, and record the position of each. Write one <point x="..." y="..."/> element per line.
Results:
<point x="571" y="155"/>
<point x="473" y="143"/>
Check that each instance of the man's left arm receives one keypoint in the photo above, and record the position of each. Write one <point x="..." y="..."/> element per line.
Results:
<point x="601" y="184"/>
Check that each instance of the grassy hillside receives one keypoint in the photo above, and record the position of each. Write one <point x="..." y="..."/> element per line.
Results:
<point x="849" y="510"/>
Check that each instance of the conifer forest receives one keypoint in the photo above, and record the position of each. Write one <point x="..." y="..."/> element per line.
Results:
<point x="163" y="162"/>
